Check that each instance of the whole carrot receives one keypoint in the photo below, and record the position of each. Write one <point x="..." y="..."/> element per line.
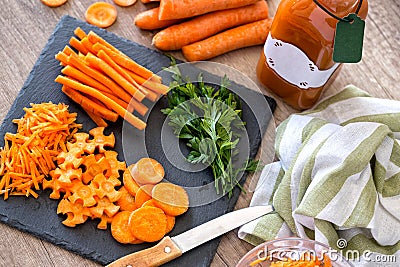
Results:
<point x="148" y="20"/>
<point x="177" y="9"/>
<point x="199" y="28"/>
<point x="243" y="36"/>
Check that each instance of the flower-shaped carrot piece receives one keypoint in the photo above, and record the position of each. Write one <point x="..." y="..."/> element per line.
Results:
<point x="103" y="206"/>
<point x="104" y="221"/>
<point x="115" y="165"/>
<point x="84" y="193"/>
<point x="104" y="187"/>
<point x="82" y="141"/>
<point x="100" y="140"/>
<point x="68" y="175"/>
<point x="93" y="167"/>
<point x="72" y="158"/>
<point x="77" y="210"/>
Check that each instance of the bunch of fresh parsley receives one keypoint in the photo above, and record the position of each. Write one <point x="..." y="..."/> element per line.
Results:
<point x="209" y="119"/>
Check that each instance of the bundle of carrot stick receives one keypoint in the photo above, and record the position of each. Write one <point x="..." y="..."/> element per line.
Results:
<point x="105" y="81"/>
<point x="206" y="29"/>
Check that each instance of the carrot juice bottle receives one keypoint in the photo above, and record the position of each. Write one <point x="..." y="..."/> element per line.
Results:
<point x="296" y="62"/>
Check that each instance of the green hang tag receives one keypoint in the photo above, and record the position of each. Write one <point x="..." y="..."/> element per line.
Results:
<point x="349" y="40"/>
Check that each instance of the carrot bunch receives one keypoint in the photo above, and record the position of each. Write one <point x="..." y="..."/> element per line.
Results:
<point x="205" y="30"/>
<point x="105" y="81"/>
<point x="27" y="156"/>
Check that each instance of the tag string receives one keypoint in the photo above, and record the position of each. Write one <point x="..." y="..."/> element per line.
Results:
<point x="333" y="15"/>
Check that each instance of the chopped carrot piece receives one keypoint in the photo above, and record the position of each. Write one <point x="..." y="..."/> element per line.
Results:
<point x="125" y="3"/>
<point x="171" y="198"/>
<point x="129" y="182"/>
<point x="170" y="223"/>
<point x="101" y="14"/>
<point x="148" y="171"/>
<point x="126" y="202"/>
<point x="54" y="3"/>
<point x="143" y="194"/>
<point x="120" y="228"/>
<point x="80" y="33"/>
<point x="148" y="223"/>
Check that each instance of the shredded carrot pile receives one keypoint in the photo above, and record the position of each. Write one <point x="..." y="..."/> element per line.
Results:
<point x="27" y="155"/>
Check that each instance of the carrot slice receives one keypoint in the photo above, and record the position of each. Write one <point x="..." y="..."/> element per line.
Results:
<point x="171" y="198"/>
<point x="120" y="228"/>
<point x="170" y="223"/>
<point x="148" y="223"/>
<point x="101" y="14"/>
<point x="126" y="202"/>
<point x="124" y="3"/>
<point x="143" y="194"/>
<point x="148" y="171"/>
<point x="54" y="3"/>
<point x="130" y="184"/>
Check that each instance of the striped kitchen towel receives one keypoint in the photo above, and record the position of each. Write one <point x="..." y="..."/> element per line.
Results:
<point x="337" y="179"/>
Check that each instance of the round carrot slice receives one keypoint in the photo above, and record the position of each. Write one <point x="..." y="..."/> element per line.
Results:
<point x="143" y="194"/>
<point x="125" y="2"/>
<point x="171" y="198"/>
<point x="148" y="171"/>
<point x="54" y="3"/>
<point x="120" y="228"/>
<point x="126" y="202"/>
<point x="130" y="183"/>
<point x="101" y="14"/>
<point x="170" y="224"/>
<point x="148" y="223"/>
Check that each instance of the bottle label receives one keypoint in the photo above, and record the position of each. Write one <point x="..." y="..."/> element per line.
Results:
<point x="293" y="65"/>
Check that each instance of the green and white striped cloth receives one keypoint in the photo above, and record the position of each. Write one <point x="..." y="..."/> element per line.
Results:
<point x="338" y="178"/>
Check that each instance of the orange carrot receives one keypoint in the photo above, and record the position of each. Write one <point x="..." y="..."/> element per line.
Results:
<point x="177" y="9"/>
<point x="139" y="107"/>
<point x="149" y="1"/>
<point x="148" y="20"/>
<point x="125" y="3"/>
<point x="54" y="3"/>
<point x="120" y="228"/>
<point x="100" y="77"/>
<point x="95" y="61"/>
<point x="170" y="224"/>
<point x="75" y="43"/>
<point x="96" y="119"/>
<point x="148" y="171"/>
<point x="62" y="57"/>
<point x="143" y="194"/>
<point x="243" y="36"/>
<point x="101" y="14"/>
<point x="80" y="33"/>
<point x="148" y="223"/>
<point x="84" y="78"/>
<point x="90" y="105"/>
<point x="120" y="58"/>
<point x="171" y="198"/>
<point x="129" y="117"/>
<point x="87" y="44"/>
<point x="199" y="28"/>
<point x="68" y="51"/>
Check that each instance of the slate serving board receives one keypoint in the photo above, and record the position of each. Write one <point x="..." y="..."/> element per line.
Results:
<point x="38" y="216"/>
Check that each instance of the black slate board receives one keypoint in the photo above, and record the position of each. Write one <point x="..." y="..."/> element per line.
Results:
<point x="38" y="216"/>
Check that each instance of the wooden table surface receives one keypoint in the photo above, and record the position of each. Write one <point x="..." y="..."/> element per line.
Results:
<point x="26" y="26"/>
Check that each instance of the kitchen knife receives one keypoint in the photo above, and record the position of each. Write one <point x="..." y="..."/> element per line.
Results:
<point x="170" y="248"/>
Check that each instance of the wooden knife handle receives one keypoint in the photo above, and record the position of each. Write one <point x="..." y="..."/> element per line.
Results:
<point x="165" y="251"/>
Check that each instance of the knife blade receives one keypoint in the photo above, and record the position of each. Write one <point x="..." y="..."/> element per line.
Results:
<point x="170" y="248"/>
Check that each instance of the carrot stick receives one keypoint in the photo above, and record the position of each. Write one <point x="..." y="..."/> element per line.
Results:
<point x="148" y="20"/>
<point x="75" y="43"/>
<point x="87" y="44"/>
<point x="62" y="57"/>
<point x="157" y="87"/>
<point x="199" y="28"/>
<point x="68" y="51"/>
<point x="243" y="36"/>
<point x="177" y="9"/>
<point x="95" y="61"/>
<point x="80" y="33"/>
<point x="133" y="120"/>
<point x="119" y="101"/>
<point x="89" y="104"/>
<point x="84" y="78"/>
<point x="120" y="58"/>
<point x="96" y="119"/>
<point x="101" y="14"/>
<point x="100" y="77"/>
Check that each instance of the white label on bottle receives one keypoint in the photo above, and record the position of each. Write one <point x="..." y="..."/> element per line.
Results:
<point x="293" y="65"/>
